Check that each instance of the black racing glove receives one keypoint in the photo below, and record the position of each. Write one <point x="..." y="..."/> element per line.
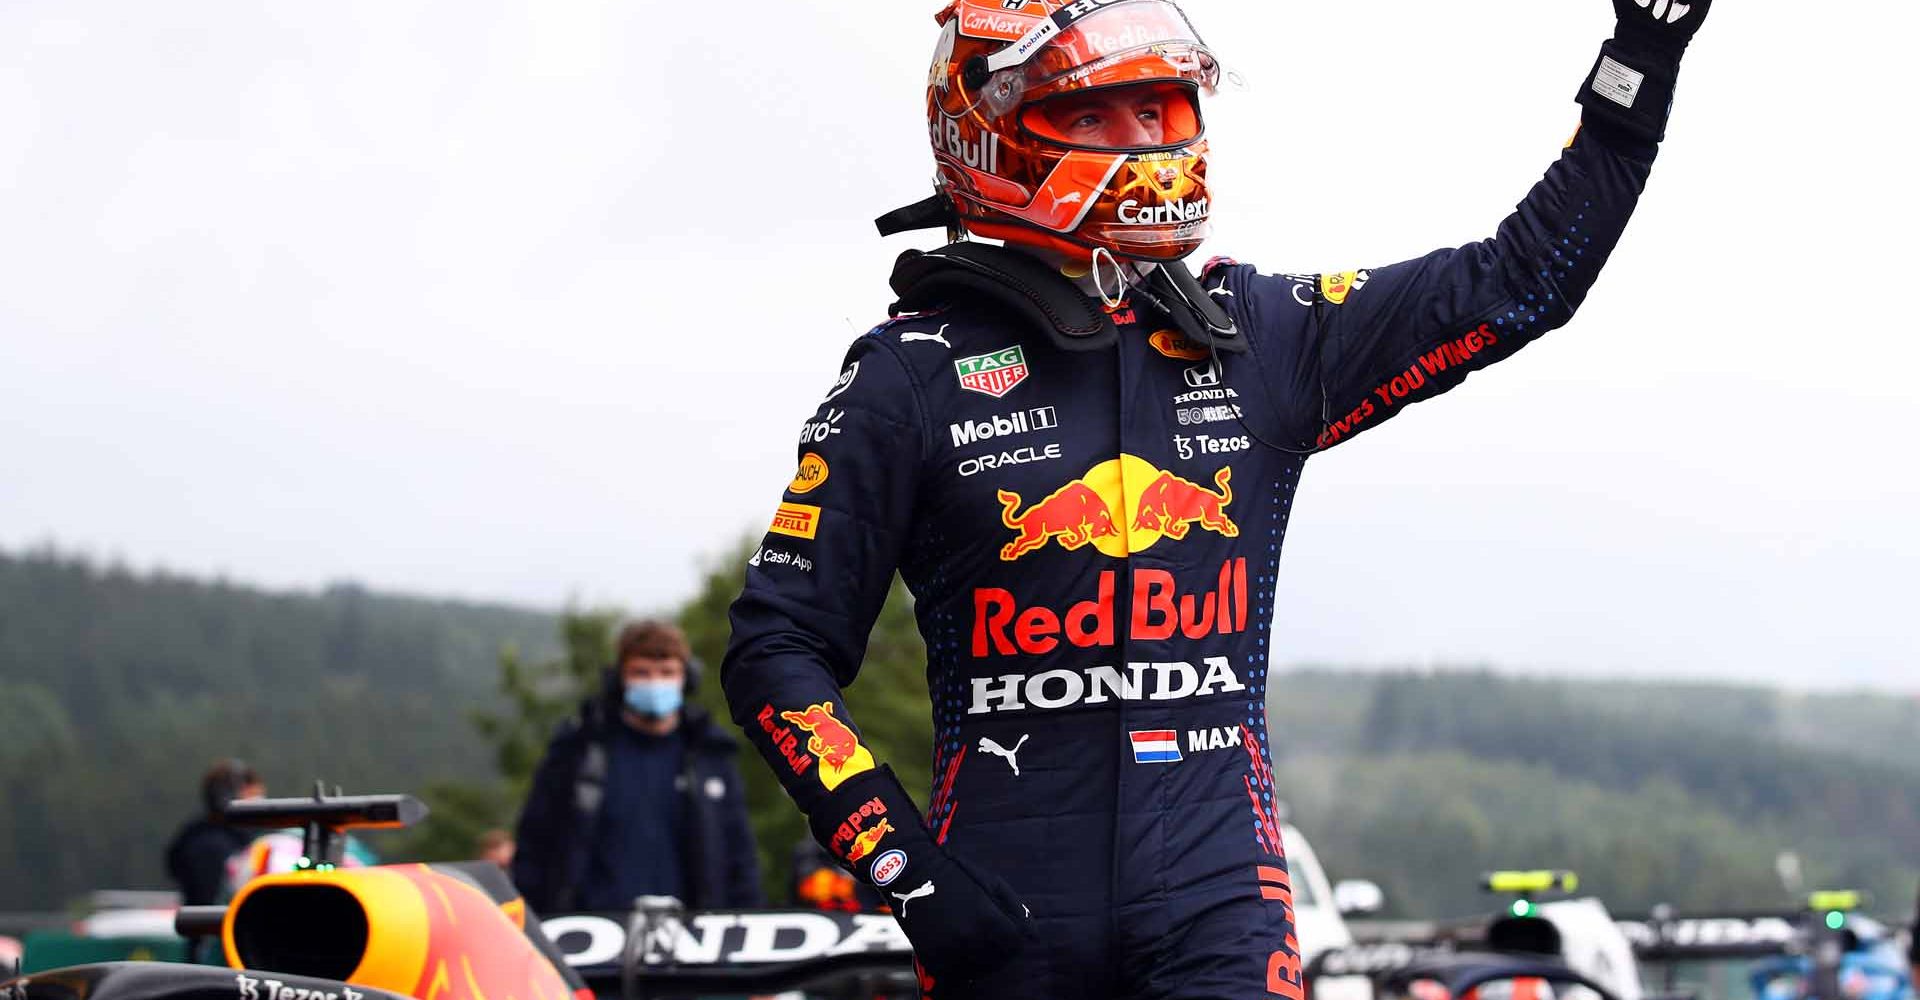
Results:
<point x="1631" y="86"/>
<point x="963" y="922"/>
<point x="1666" y="25"/>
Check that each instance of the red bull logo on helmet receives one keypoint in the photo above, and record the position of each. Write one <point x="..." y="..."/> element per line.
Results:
<point x="1119" y="507"/>
<point x="833" y="743"/>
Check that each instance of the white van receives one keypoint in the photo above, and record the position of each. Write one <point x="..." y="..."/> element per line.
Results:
<point x="1317" y="920"/>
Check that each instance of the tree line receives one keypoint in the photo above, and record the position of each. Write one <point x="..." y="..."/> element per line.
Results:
<point x="117" y="689"/>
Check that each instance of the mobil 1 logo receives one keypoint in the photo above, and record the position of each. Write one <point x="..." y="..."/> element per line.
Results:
<point x="968" y="432"/>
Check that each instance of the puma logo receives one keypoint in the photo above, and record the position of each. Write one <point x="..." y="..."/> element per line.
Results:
<point x="938" y="338"/>
<point x="1071" y="199"/>
<point x="1666" y="10"/>
<point x="926" y="889"/>
<point x="989" y="746"/>
<point x="1223" y="291"/>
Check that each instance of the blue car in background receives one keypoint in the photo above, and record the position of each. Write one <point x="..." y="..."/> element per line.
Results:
<point x="1873" y="968"/>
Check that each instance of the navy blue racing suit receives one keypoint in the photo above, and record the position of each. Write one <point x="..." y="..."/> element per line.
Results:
<point x="1092" y="541"/>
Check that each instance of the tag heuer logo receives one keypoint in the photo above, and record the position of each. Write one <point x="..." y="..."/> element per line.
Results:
<point x="993" y="374"/>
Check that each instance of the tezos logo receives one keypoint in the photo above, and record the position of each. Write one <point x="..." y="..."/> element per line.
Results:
<point x="1207" y="444"/>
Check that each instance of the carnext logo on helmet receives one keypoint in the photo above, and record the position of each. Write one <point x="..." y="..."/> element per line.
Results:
<point x="1178" y="210"/>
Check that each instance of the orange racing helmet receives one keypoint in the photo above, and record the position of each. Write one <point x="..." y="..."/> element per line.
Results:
<point x="1011" y="175"/>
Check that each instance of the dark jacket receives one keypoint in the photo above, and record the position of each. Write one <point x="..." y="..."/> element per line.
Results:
<point x="197" y="859"/>
<point x="718" y="860"/>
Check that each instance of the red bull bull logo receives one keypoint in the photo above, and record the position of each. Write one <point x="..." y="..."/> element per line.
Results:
<point x="833" y="743"/>
<point x="1173" y="505"/>
<point x="1120" y="506"/>
<point x="869" y="840"/>
<point x="855" y="838"/>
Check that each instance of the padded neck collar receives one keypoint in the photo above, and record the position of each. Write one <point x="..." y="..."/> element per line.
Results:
<point x="1047" y="300"/>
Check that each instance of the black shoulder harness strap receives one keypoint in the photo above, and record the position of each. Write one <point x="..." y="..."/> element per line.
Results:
<point x="1045" y="299"/>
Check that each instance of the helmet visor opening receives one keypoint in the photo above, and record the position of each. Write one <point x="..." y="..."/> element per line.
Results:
<point x="1125" y="118"/>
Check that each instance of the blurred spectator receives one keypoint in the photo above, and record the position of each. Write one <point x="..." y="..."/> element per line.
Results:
<point x="197" y="858"/>
<point x="639" y="795"/>
<point x="495" y="846"/>
<point x="10" y="955"/>
<point x="283" y="851"/>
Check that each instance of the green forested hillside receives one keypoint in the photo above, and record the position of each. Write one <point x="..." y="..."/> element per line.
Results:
<point x="117" y="690"/>
<point x="1659" y="794"/>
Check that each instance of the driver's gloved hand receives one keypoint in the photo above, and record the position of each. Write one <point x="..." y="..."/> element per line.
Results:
<point x="1660" y="25"/>
<point x="1631" y="87"/>
<point x="963" y="922"/>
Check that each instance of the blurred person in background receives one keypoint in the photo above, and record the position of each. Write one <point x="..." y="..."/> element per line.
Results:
<point x="1081" y="458"/>
<point x="495" y="846"/>
<point x="638" y="795"/>
<point x="197" y="857"/>
<point x="281" y="851"/>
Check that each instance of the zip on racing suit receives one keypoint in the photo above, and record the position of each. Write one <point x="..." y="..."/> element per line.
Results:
<point x="1092" y="539"/>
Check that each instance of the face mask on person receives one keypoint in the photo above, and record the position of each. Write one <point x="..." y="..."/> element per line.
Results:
<point x="654" y="699"/>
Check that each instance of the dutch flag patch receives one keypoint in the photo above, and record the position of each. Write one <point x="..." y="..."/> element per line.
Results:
<point x="1155" y="746"/>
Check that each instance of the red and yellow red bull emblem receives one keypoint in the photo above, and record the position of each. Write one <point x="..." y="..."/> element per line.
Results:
<point x="833" y="743"/>
<point x="869" y="840"/>
<point x="854" y="839"/>
<point x="1336" y="287"/>
<point x="1120" y="506"/>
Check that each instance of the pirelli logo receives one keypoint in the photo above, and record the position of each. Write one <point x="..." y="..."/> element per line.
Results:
<point x="797" y="520"/>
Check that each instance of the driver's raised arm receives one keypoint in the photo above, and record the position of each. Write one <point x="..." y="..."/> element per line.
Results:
<point x="1391" y="336"/>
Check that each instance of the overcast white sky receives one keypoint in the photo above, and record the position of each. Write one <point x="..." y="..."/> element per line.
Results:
<point x="525" y="300"/>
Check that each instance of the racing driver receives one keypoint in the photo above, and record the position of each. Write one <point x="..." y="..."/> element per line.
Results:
<point x="1081" y="457"/>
